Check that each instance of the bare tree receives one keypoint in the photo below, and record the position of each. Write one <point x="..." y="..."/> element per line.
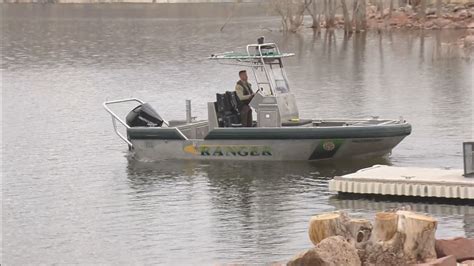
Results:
<point x="390" y="9"/>
<point x="380" y="7"/>
<point x="291" y="13"/>
<point x="330" y="13"/>
<point x="438" y="7"/>
<point x="314" y="11"/>
<point x="347" y="19"/>
<point x="360" y="15"/>
<point x="422" y="9"/>
<point x="234" y="7"/>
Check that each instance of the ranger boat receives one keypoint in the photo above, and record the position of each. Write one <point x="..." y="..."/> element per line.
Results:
<point x="277" y="134"/>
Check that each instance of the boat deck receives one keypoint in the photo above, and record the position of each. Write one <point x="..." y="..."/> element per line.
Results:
<point x="406" y="181"/>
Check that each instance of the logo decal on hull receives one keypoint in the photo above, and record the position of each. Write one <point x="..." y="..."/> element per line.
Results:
<point x="326" y="149"/>
<point x="329" y="146"/>
<point x="228" y="150"/>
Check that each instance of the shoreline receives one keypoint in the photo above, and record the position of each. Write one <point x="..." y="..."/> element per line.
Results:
<point x="453" y="15"/>
<point x="126" y="1"/>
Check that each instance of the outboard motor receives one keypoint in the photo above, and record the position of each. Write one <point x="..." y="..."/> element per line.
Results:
<point x="144" y="116"/>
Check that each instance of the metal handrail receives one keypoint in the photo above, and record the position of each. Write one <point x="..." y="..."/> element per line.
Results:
<point x="115" y="117"/>
<point x="262" y="61"/>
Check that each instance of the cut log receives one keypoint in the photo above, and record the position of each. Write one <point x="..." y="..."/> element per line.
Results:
<point x="398" y="238"/>
<point x="385" y="252"/>
<point x="326" y="225"/>
<point x="419" y="231"/>
<point x="359" y="229"/>
<point x="385" y="226"/>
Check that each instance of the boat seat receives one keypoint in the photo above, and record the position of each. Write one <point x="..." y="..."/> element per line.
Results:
<point x="300" y="122"/>
<point x="227" y="109"/>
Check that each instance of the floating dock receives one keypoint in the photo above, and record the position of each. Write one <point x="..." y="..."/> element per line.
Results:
<point x="406" y="181"/>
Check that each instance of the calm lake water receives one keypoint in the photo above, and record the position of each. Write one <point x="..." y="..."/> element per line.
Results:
<point x="72" y="195"/>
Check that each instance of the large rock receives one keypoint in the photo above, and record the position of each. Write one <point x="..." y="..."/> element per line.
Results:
<point x="460" y="25"/>
<point x="429" y="24"/>
<point x="371" y="9"/>
<point x="441" y="22"/>
<point x="307" y="258"/>
<point x="430" y="11"/>
<point x="399" y="19"/>
<point x="408" y="10"/>
<point x="444" y="261"/>
<point x="462" y="14"/>
<point x="332" y="251"/>
<point x="469" y="41"/>
<point x="336" y="250"/>
<point x="457" y="8"/>
<point x="461" y="248"/>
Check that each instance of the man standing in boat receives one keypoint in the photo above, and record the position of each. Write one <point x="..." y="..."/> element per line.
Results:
<point x="244" y="91"/>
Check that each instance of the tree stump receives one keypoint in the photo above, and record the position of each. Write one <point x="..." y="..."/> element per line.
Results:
<point x="419" y="231"/>
<point x="359" y="229"/>
<point x="385" y="246"/>
<point x="338" y="224"/>
<point x="385" y="226"/>
<point x="397" y="238"/>
<point x="388" y="253"/>
<point x="326" y="225"/>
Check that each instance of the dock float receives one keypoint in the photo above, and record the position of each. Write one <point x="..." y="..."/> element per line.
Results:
<point x="406" y="181"/>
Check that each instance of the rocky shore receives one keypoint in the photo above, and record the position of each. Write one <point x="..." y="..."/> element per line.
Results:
<point x="451" y="16"/>
<point x="397" y="237"/>
<point x="120" y="1"/>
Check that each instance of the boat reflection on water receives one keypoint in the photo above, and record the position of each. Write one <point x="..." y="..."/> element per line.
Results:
<point x="242" y="183"/>
<point x="234" y="170"/>
<point x="276" y="191"/>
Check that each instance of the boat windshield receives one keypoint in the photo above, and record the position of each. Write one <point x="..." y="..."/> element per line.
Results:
<point x="262" y="81"/>
<point x="265" y="60"/>
<point x="281" y="83"/>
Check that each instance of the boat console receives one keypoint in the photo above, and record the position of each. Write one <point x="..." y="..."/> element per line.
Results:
<point x="274" y="103"/>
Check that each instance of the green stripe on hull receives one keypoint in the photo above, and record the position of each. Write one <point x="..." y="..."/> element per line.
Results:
<point x="154" y="133"/>
<point x="310" y="133"/>
<point x="281" y="133"/>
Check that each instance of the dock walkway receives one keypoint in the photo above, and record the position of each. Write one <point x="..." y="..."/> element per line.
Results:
<point x="406" y="181"/>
